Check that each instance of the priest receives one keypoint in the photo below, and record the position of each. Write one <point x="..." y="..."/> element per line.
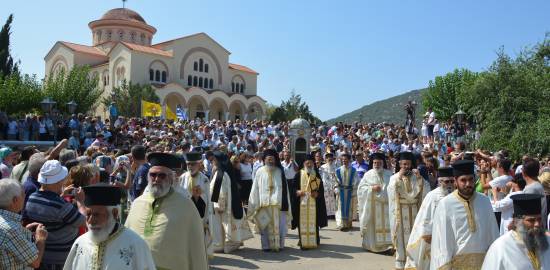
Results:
<point x="347" y="180"/>
<point x="526" y="246"/>
<point x="406" y="191"/>
<point x="168" y="220"/>
<point x="463" y="226"/>
<point x="418" y="248"/>
<point x="196" y="186"/>
<point x="327" y="172"/>
<point x="107" y="244"/>
<point x="269" y="203"/>
<point x="372" y="195"/>
<point x="308" y="205"/>
<point x="229" y="225"/>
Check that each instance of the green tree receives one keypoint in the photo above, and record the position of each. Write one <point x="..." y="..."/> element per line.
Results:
<point x="19" y="94"/>
<point x="128" y="98"/>
<point x="293" y="108"/>
<point x="444" y="94"/>
<point x="76" y="85"/>
<point x="7" y="65"/>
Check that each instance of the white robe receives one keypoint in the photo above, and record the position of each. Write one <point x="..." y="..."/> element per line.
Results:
<point x="124" y="249"/>
<point x="462" y="232"/>
<point x="185" y="186"/>
<point x="404" y="202"/>
<point x="228" y="233"/>
<point x="374" y="212"/>
<point x="264" y="206"/>
<point x="328" y="176"/>
<point x="509" y="252"/>
<point x="418" y="250"/>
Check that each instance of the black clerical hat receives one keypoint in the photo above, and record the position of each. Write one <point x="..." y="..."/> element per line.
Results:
<point x="463" y="167"/>
<point x="377" y="155"/>
<point x="102" y="194"/>
<point x="526" y="204"/>
<point x="193" y="157"/>
<point x="164" y="159"/>
<point x="270" y="152"/>
<point x="406" y="156"/>
<point x="309" y="157"/>
<point x="445" y="172"/>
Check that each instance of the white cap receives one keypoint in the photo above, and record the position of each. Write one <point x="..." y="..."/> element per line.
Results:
<point x="52" y="172"/>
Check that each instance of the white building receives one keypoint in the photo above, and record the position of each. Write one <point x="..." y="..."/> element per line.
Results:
<point x="192" y="71"/>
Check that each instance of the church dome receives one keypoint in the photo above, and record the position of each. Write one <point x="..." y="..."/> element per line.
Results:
<point x="123" y="14"/>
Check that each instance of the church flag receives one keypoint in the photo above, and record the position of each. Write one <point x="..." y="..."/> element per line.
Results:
<point x="150" y="109"/>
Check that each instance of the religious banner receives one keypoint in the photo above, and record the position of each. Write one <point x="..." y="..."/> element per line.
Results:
<point x="150" y="109"/>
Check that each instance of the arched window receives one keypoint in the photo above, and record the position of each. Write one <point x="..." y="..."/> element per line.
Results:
<point x="200" y="82"/>
<point x="242" y="88"/>
<point x="206" y="68"/>
<point x="163" y="76"/>
<point x="237" y="89"/>
<point x="120" y="35"/>
<point x="143" y="38"/>
<point x="195" y="66"/>
<point x="151" y="75"/>
<point x="109" y="35"/>
<point x="211" y="84"/>
<point x="233" y="87"/>
<point x="157" y="76"/>
<point x="201" y="65"/>
<point x="133" y="36"/>
<point x="195" y="81"/>
<point x="205" y="83"/>
<point x="189" y="80"/>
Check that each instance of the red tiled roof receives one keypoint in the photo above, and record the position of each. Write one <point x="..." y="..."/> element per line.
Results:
<point x="83" y="48"/>
<point x="242" y="68"/>
<point x="147" y="49"/>
<point x="100" y="64"/>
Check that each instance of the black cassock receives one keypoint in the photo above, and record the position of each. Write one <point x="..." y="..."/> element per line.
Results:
<point x="321" y="211"/>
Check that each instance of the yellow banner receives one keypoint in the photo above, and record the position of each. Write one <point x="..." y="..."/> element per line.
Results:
<point x="170" y="114"/>
<point x="150" y="109"/>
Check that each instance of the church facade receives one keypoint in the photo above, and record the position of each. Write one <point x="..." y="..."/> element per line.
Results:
<point x="191" y="72"/>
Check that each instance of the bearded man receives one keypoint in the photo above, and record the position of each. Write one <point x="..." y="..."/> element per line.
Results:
<point x="269" y="203"/>
<point x="526" y="246"/>
<point x="372" y="195"/>
<point x="418" y="248"/>
<point x="107" y="244"/>
<point x="463" y="226"/>
<point x="196" y="186"/>
<point x="167" y="220"/>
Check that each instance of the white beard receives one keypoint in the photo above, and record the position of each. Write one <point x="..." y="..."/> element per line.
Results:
<point x="158" y="191"/>
<point x="98" y="234"/>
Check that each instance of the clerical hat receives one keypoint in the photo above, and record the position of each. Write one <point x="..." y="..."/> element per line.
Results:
<point x="193" y="157"/>
<point x="445" y="172"/>
<point x="526" y="204"/>
<point x="309" y="157"/>
<point x="463" y="167"/>
<point x="164" y="159"/>
<point x="102" y="194"/>
<point x="406" y="156"/>
<point x="377" y="155"/>
<point x="270" y="152"/>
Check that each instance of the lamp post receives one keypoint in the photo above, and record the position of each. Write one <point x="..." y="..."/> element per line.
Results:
<point x="47" y="106"/>
<point x="71" y="106"/>
<point x="460" y="118"/>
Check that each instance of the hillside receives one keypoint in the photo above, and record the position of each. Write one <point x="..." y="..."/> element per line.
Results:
<point x="388" y="110"/>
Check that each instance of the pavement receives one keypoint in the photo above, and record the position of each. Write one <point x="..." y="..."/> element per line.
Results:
<point x="338" y="250"/>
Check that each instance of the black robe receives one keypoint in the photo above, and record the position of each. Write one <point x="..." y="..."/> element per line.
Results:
<point x="321" y="209"/>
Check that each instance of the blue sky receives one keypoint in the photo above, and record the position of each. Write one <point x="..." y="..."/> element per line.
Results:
<point x="339" y="55"/>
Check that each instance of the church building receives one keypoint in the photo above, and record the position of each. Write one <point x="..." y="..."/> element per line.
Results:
<point x="192" y="72"/>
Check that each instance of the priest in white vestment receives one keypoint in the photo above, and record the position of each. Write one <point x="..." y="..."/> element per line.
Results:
<point x="347" y="180"/>
<point x="269" y="203"/>
<point x="328" y="176"/>
<point x="372" y="196"/>
<point x="526" y="246"/>
<point x="229" y="225"/>
<point x="196" y="186"/>
<point x="107" y="245"/>
<point x="406" y="191"/>
<point x="464" y="225"/>
<point x="167" y="220"/>
<point x="418" y="248"/>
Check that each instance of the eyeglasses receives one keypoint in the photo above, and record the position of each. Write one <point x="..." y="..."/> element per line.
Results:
<point x="157" y="175"/>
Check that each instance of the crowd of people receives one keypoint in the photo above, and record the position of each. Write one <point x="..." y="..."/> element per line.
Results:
<point x="135" y="193"/>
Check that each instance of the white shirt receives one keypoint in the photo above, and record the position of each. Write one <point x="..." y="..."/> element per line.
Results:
<point x="246" y="171"/>
<point x="506" y="207"/>
<point x="500" y="182"/>
<point x="290" y="173"/>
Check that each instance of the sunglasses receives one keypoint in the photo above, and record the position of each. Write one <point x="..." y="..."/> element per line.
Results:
<point x="157" y="175"/>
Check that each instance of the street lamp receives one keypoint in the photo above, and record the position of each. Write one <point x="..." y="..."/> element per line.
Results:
<point x="71" y="106"/>
<point x="460" y="115"/>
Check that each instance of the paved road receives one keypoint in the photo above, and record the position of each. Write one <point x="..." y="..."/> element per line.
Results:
<point x="338" y="250"/>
